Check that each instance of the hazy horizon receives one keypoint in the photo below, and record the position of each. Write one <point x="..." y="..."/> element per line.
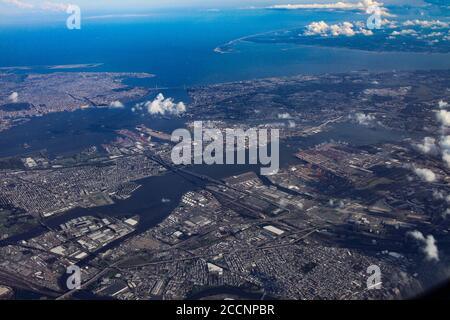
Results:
<point x="17" y="10"/>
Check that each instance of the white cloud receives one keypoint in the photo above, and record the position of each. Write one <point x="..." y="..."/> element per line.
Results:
<point x="19" y="4"/>
<point x="404" y="32"/>
<point x="429" y="248"/>
<point x="54" y="6"/>
<point x="163" y="106"/>
<point x="433" y="35"/>
<point x="284" y="115"/>
<point x="364" y="119"/>
<point x="428" y="146"/>
<point x="366" y="32"/>
<point x="389" y="23"/>
<point x="345" y="28"/>
<point x="445" y="148"/>
<point x="434" y="24"/>
<point x="442" y="104"/>
<point x="363" y="5"/>
<point x="14" y="97"/>
<point x="40" y="5"/>
<point x="425" y="174"/>
<point x="320" y="27"/>
<point x="446" y="158"/>
<point x="445" y="143"/>
<point x="116" y="104"/>
<point x="337" y="5"/>
<point x="443" y="117"/>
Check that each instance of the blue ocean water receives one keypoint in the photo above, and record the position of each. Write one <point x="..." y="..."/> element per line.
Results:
<point x="178" y="47"/>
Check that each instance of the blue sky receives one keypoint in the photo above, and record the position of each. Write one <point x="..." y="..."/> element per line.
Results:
<point x="35" y="6"/>
<point x="18" y="11"/>
<point x="28" y="6"/>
